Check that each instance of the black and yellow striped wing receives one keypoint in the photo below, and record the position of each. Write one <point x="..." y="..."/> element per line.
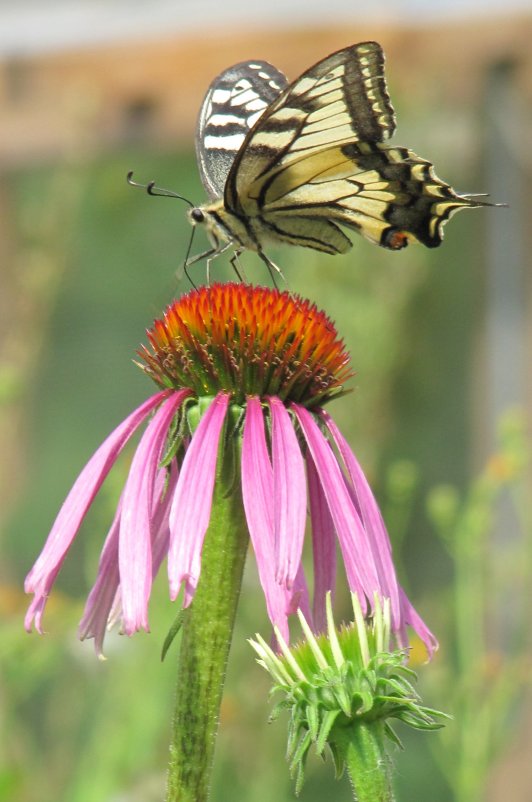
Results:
<point x="315" y="159"/>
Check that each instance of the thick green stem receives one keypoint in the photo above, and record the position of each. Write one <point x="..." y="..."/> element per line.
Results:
<point x="206" y="638"/>
<point x="367" y="763"/>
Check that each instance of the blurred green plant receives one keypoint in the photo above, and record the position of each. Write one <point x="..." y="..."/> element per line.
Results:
<point x="487" y="533"/>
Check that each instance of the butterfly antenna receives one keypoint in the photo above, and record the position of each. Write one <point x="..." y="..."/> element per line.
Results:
<point x="159" y="192"/>
<point x="156" y="191"/>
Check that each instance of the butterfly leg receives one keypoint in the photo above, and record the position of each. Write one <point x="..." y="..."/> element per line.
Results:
<point x="203" y="255"/>
<point x="272" y="269"/>
<point x="236" y="265"/>
<point x="199" y="256"/>
<point x="209" y="255"/>
<point x="214" y="255"/>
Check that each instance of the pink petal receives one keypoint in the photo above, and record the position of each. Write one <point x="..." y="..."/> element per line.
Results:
<point x="299" y="598"/>
<point x="356" y="551"/>
<point x="323" y="546"/>
<point x="289" y="493"/>
<point x="257" y="494"/>
<point x="165" y="483"/>
<point x="41" y="577"/>
<point x="103" y="593"/>
<point x="104" y="605"/>
<point x="191" y="506"/>
<point x="134" y="553"/>
<point x="372" y="518"/>
<point x="36" y="609"/>
<point x="161" y="515"/>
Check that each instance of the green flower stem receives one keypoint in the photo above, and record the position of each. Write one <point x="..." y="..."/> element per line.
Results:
<point x="206" y="639"/>
<point x="368" y="765"/>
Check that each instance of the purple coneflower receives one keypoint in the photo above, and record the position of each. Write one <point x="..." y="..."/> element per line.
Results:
<point x="244" y="373"/>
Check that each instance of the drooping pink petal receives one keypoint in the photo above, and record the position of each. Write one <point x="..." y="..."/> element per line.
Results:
<point x="103" y="593"/>
<point x="41" y="577"/>
<point x="35" y="610"/>
<point x="134" y="552"/>
<point x="257" y="494"/>
<point x="191" y="506"/>
<point x="410" y="617"/>
<point x="104" y="605"/>
<point x="358" y="558"/>
<point x="289" y="493"/>
<point x="300" y="599"/>
<point x="161" y="515"/>
<point x="372" y="519"/>
<point x="323" y="546"/>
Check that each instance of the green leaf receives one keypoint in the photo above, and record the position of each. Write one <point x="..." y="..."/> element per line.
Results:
<point x="174" y="629"/>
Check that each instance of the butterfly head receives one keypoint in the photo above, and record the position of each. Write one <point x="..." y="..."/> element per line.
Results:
<point x="196" y="215"/>
<point x="222" y="225"/>
<point x="211" y="218"/>
<point x="208" y="219"/>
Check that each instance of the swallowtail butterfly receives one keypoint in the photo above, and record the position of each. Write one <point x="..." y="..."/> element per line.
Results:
<point x="293" y="162"/>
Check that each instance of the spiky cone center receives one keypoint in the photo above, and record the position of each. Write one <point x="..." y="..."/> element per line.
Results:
<point x="247" y="340"/>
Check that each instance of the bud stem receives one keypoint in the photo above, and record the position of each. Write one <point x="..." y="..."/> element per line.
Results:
<point x="206" y="639"/>
<point x="368" y="765"/>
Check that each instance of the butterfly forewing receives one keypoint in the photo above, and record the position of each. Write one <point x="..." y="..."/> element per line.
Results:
<point x="234" y="102"/>
<point x="341" y="99"/>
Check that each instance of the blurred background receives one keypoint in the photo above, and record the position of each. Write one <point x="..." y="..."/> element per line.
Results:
<point x="441" y="342"/>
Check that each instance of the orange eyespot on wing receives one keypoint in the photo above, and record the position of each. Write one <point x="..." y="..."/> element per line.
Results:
<point x="394" y="240"/>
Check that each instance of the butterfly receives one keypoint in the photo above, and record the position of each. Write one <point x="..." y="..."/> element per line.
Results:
<point x="293" y="163"/>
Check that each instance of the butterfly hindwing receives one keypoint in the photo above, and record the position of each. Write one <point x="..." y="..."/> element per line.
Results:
<point x="384" y="193"/>
<point x="234" y="101"/>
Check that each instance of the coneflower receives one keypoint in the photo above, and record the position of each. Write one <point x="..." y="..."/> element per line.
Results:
<point x="237" y="447"/>
<point x="245" y="370"/>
